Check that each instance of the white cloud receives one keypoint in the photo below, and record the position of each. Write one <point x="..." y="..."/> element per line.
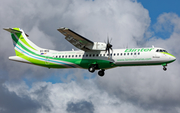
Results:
<point x="57" y="97"/>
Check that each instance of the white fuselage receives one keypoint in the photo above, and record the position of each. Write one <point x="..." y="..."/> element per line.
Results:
<point x="120" y="57"/>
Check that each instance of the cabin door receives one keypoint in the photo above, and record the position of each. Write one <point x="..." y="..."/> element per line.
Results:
<point x="47" y="60"/>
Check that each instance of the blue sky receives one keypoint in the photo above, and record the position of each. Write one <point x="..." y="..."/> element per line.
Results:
<point x="157" y="7"/>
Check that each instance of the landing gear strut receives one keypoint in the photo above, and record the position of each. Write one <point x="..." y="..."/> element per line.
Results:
<point x="101" y="72"/>
<point x="164" y="68"/>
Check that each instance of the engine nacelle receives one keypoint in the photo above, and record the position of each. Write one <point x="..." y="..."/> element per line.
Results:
<point x="99" y="46"/>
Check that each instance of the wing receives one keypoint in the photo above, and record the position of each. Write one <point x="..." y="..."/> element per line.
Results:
<point x="77" y="40"/>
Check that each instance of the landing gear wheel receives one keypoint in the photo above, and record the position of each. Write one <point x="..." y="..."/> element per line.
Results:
<point x="164" y="68"/>
<point x="101" y="73"/>
<point x="91" y="69"/>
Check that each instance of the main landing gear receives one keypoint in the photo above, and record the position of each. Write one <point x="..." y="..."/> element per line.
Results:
<point x="101" y="72"/>
<point x="92" y="69"/>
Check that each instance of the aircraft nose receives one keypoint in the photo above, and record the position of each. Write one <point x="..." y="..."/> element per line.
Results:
<point x="172" y="57"/>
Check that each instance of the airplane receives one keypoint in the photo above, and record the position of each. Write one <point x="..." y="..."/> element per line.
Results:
<point x="92" y="55"/>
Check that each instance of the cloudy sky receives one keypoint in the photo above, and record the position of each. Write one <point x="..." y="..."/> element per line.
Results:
<point x="132" y="23"/>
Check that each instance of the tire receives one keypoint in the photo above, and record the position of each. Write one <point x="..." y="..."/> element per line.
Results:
<point x="101" y="73"/>
<point x="164" y="69"/>
<point x="91" y="69"/>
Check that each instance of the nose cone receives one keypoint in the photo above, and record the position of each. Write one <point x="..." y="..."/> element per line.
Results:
<point x="172" y="57"/>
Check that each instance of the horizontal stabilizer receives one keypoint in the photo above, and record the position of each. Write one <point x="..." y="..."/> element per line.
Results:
<point x="18" y="59"/>
<point x="12" y="30"/>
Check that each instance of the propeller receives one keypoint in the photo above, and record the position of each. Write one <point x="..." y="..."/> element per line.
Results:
<point x="109" y="47"/>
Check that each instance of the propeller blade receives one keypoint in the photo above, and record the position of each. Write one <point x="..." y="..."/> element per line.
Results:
<point x="111" y="50"/>
<point x="108" y="47"/>
<point x="109" y="53"/>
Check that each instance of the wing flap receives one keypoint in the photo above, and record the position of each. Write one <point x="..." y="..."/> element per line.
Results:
<point x="77" y="40"/>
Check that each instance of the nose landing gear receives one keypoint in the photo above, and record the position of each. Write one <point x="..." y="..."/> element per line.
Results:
<point x="164" y="67"/>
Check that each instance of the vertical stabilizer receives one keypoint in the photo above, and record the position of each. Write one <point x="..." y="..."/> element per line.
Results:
<point x="21" y="43"/>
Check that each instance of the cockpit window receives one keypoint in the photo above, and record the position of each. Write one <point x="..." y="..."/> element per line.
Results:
<point x="160" y="50"/>
<point x="165" y="51"/>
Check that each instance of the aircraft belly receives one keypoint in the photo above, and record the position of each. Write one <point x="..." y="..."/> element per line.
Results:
<point x="86" y="63"/>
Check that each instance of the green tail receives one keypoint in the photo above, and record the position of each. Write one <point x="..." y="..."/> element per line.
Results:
<point x="20" y="41"/>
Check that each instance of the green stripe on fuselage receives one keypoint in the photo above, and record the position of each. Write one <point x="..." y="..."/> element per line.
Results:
<point x="168" y="54"/>
<point x="19" y="35"/>
<point x="22" y="46"/>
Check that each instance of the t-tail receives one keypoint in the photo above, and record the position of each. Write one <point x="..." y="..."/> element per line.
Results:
<point x="23" y="47"/>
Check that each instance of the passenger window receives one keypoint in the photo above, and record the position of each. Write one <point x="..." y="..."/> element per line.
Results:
<point x="117" y="54"/>
<point x="134" y="53"/>
<point x="93" y="55"/>
<point x="63" y="56"/>
<point x="56" y="56"/>
<point x="76" y="55"/>
<point x="83" y="55"/>
<point x="121" y="54"/>
<point x="114" y="54"/>
<point x="127" y="53"/>
<point x="89" y="55"/>
<point x="138" y="53"/>
<point x="69" y="56"/>
<point x="131" y="53"/>
<point x="97" y="55"/>
<point x="72" y="55"/>
<point x="79" y="55"/>
<point x="111" y="54"/>
<point x="59" y="56"/>
<point x="86" y="55"/>
<point x="124" y="53"/>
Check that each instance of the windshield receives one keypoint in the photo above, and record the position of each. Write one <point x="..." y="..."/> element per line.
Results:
<point x="161" y="50"/>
